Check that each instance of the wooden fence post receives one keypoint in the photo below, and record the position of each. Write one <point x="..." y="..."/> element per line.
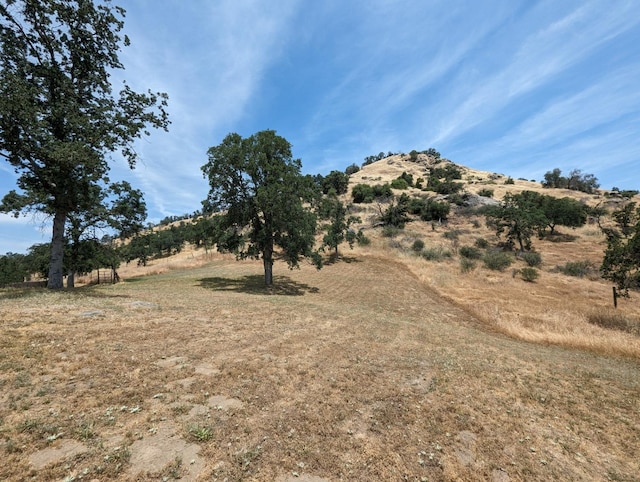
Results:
<point x="615" y="297"/>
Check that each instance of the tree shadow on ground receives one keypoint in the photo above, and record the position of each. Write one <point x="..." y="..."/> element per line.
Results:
<point x="254" y="284"/>
<point x="333" y="259"/>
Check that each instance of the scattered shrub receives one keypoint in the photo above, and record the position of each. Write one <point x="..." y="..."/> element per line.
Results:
<point x="529" y="274"/>
<point x="435" y="211"/>
<point x="418" y="245"/>
<point x="485" y="192"/>
<point x="436" y="254"/>
<point x="470" y="252"/>
<point x="390" y="231"/>
<point x="497" y="260"/>
<point x="578" y="269"/>
<point x="452" y="234"/>
<point x="509" y="180"/>
<point x="467" y="265"/>
<point x="532" y="258"/>
<point x="482" y="243"/>
<point x="363" y="240"/>
<point x="399" y="183"/>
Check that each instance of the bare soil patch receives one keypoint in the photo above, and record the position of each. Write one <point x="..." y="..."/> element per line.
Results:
<point x="359" y="371"/>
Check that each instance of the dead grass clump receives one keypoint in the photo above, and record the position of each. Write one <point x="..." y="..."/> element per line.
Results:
<point x="614" y="320"/>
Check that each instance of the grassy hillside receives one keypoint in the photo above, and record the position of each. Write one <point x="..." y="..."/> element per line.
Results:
<point x="387" y="364"/>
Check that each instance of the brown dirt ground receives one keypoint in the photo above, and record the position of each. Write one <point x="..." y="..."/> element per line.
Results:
<point x="360" y="371"/>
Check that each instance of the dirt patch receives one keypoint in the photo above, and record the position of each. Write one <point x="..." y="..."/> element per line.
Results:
<point x="165" y="451"/>
<point x="62" y="450"/>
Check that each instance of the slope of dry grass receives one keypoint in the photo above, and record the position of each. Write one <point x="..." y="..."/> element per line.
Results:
<point x="360" y="371"/>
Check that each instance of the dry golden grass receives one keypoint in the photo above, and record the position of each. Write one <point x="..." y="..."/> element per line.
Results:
<point x="381" y="366"/>
<point x="360" y="371"/>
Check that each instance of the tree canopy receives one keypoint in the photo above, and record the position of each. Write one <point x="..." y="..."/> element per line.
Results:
<point x="257" y="187"/>
<point x="58" y="116"/>
<point x="621" y="263"/>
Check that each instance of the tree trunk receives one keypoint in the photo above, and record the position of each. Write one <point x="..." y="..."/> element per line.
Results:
<point x="267" y="259"/>
<point x="71" y="280"/>
<point x="57" y="252"/>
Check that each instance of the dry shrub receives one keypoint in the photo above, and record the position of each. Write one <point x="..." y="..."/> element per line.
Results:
<point x="614" y="320"/>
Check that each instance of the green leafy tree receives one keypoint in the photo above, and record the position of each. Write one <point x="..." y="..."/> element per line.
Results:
<point x="621" y="263"/>
<point x="554" y="179"/>
<point x="13" y="268"/>
<point x="564" y="212"/>
<point x="338" y="228"/>
<point x="518" y="218"/>
<point x="336" y="182"/>
<point x="119" y="207"/>
<point x="58" y="116"/>
<point x="257" y="187"/>
<point x="397" y="214"/>
<point x="352" y="169"/>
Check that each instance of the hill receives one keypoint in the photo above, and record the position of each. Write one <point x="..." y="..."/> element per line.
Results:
<point x="386" y="364"/>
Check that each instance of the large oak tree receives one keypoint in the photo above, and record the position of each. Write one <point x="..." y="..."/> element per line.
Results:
<point x="59" y="118"/>
<point x="257" y="187"/>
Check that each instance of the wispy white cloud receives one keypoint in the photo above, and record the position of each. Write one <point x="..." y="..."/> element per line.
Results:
<point x="545" y="53"/>
<point x="211" y="71"/>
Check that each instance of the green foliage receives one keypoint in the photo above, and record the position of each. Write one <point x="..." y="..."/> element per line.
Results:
<point x="447" y="172"/>
<point x="363" y="240"/>
<point x="563" y="211"/>
<point x="485" y="192"/>
<point x="435" y="211"/>
<point x="532" y="258"/>
<point x="576" y="181"/>
<point x="497" y="260"/>
<point x="13" y="268"/>
<point x="453" y="234"/>
<point x="518" y="218"/>
<point x="578" y="269"/>
<point x="338" y="229"/>
<point x="418" y="245"/>
<point x="390" y="231"/>
<point x="258" y="185"/>
<point x="529" y="274"/>
<point x="432" y="153"/>
<point x="59" y="119"/>
<point x="413" y="155"/>
<point x="399" y="183"/>
<point x="509" y="180"/>
<point x="336" y="182"/>
<point x="408" y="178"/>
<point x="444" y="187"/>
<point x="621" y="263"/>
<point x="438" y="253"/>
<point x="364" y="193"/>
<point x="481" y="243"/>
<point x="396" y="215"/>
<point x="371" y="159"/>
<point x="470" y="252"/>
<point x="352" y="169"/>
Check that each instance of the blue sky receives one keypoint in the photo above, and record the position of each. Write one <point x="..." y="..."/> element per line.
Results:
<point x="516" y="87"/>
